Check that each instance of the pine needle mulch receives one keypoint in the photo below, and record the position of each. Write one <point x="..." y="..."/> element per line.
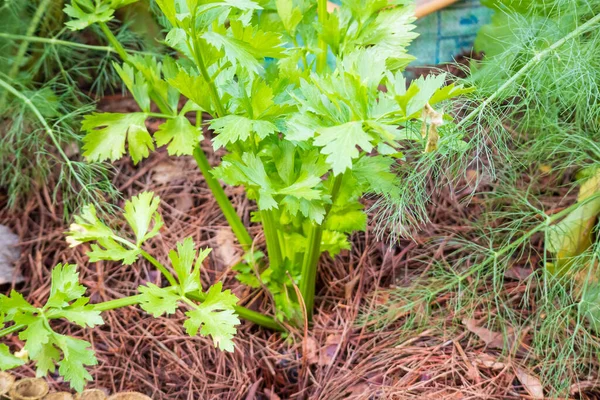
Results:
<point x="342" y="356"/>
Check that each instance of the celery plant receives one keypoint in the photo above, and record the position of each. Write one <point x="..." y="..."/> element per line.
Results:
<point x="293" y="94"/>
<point x="209" y="313"/>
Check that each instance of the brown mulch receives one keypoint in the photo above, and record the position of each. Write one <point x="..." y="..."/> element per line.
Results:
<point x="337" y="358"/>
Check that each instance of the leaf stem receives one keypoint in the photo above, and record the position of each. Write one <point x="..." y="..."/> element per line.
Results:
<point x="272" y="239"/>
<point x="11" y="329"/>
<point x="239" y="230"/>
<point x="118" y="303"/>
<point x="160" y="267"/>
<point x="58" y="42"/>
<point x="214" y="94"/>
<point x="245" y="313"/>
<point x="114" y="42"/>
<point x="322" y="56"/>
<point x="163" y="270"/>
<point x="310" y="261"/>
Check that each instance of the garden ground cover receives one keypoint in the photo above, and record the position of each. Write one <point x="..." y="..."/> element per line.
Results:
<point x="348" y="353"/>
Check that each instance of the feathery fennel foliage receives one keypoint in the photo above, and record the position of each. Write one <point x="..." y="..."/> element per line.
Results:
<point x="537" y="99"/>
<point x="42" y="67"/>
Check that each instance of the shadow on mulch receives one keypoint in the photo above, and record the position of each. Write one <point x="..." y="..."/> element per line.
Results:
<point x="338" y="359"/>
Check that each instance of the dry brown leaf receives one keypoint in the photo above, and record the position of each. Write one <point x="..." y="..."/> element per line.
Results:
<point x="311" y="350"/>
<point x="518" y="273"/>
<point x="358" y="389"/>
<point x="226" y="250"/>
<point x="332" y="343"/>
<point x="322" y="355"/>
<point x="491" y="339"/>
<point x="349" y="287"/>
<point x="9" y="254"/>
<point x="585" y="386"/>
<point x="184" y="201"/>
<point x="489" y="361"/>
<point x="530" y="383"/>
<point x="165" y="172"/>
<point x="472" y="177"/>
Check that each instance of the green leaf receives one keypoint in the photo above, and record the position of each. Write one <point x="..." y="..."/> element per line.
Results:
<point x="449" y="92"/>
<point x="140" y="212"/>
<point x="65" y="286"/>
<point x="303" y="188"/>
<point x="347" y="220"/>
<point x="168" y="8"/>
<point x="109" y="250"/>
<point x="236" y="51"/>
<point x="340" y="144"/>
<point x="136" y="84"/>
<point x="107" y="133"/>
<point x="181" y="136"/>
<point x="46" y="359"/>
<point x="375" y="174"/>
<point x="158" y="301"/>
<point x="334" y="242"/>
<point x="234" y="128"/>
<point x="390" y="32"/>
<point x="83" y="314"/>
<point x="249" y="171"/>
<point x="78" y="355"/>
<point x="419" y="93"/>
<point x="7" y="359"/>
<point x="193" y="87"/>
<point x="14" y="305"/>
<point x="36" y="336"/>
<point x="246" y="270"/>
<point x="290" y="15"/>
<point x="188" y="273"/>
<point x="41" y="342"/>
<point x="215" y="317"/>
<point x="87" y="227"/>
<point x="84" y="13"/>
<point x="261" y="44"/>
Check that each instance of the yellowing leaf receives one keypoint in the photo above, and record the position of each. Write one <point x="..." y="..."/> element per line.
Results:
<point x="573" y="235"/>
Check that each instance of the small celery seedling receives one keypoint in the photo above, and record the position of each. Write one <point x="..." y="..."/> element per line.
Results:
<point x="212" y="313"/>
<point x="305" y="139"/>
